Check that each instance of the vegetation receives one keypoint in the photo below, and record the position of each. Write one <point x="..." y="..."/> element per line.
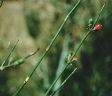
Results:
<point x="93" y="74"/>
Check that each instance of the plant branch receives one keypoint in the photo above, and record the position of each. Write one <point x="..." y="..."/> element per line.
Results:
<point x="49" y="46"/>
<point x="66" y="64"/>
<point x="74" y="53"/>
<point x="64" y="81"/>
<point x="47" y="49"/>
<point x="18" y="62"/>
<point x="9" y="53"/>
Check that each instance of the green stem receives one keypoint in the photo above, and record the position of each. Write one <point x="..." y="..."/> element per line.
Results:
<point x="99" y="14"/>
<point x="75" y="51"/>
<point x="66" y="64"/>
<point x="88" y="32"/>
<point x="9" y="54"/>
<point x="20" y="61"/>
<point x="47" y="49"/>
<point x="64" y="82"/>
<point x="7" y="66"/>
<point x="56" y="80"/>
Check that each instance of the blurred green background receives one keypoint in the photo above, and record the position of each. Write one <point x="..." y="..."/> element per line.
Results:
<point x="34" y="23"/>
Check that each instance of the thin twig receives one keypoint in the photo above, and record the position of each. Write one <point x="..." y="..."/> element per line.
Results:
<point x="64" y="81"/>
<point x="46" y="51"/>
<point x="74" y="53"/>
<point x="10" y="53"/>
<point x="19" y="62"/>
<point x="66" y="64"/>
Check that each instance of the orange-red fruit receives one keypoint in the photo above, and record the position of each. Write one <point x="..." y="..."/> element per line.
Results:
<point x="98" y="27"/>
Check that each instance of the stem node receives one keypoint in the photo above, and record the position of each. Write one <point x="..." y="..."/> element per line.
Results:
<point x="26" y="80"/>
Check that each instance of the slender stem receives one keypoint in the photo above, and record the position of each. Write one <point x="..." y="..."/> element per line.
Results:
<point x="64" y="81"/>
<point x="1" y="3"/>
<point x="88" y="32"/>
<point x="47" y="49"/>
<point x="16" y="93"/>
<point x="56" y="80"/>
<point x="20" y="61"/>
<point x="31" y="54"/>
<point x="66" y="64"/>
<point x="99" y="14"/>
<point x="9" y="54"/>
<point x="75" y="51"/>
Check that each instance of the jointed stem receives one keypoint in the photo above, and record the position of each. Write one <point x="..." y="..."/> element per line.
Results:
<point x="88" y="32"/>
<point x="18" y="62"/>
<point x="64" y="82"/>
<point x="66" y="64"/>
<point x="47" y="49"/>
<point x="9" y="53"/>
<point x="49" y="46"/>
<point x="56" y="79"/>
<point x="74" y="53"/>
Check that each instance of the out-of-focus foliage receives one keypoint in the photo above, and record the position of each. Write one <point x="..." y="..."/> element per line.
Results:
<point x="43" y="18"/>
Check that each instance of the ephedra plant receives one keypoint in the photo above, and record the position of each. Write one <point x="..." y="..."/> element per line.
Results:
<point x="92" y="27"/>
